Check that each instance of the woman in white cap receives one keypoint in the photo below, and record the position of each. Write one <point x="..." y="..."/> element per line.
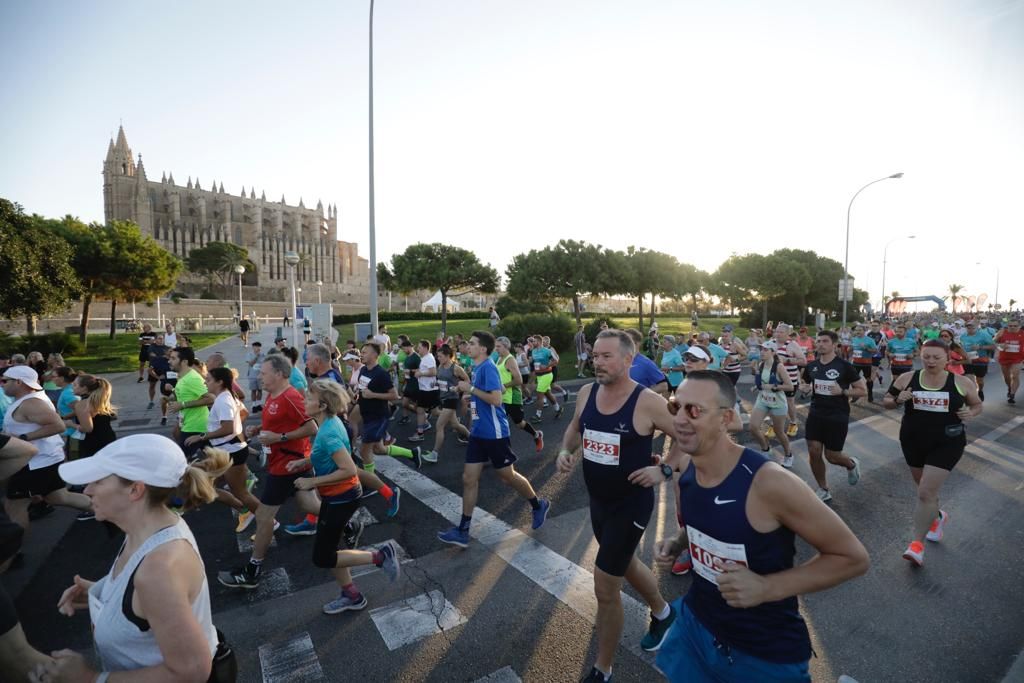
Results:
<point x="151" y="613"/>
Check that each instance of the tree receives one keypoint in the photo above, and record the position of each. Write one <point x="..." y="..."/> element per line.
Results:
<point x="566" y="271"/>
<point x="648" y="272"/>
<point x="756" y="278"/>
<point x="954" y="291"/>
<point x="218" y="260"/>
<point x="36" y="277"/>
<point x="1012" y="303"/>
<point x="451" y="270"/>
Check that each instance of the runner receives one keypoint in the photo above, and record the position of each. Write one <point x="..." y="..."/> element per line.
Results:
<point x="876" y="335"/>
<point x="170" y="336"/>
<point x="901" y="351"/>
<point x="771" y="383"/>
<point x="1010" y="342"/>
<point x="158" y="354"/>
<point x="188" y="392"/>
<point x="523" y="361"/>
<point x="614" y="425"/>
<point x="957" y="356"/>
<point x="494" y="319"/>
<point x="579" y="343"/>
<point x="671" y="362"/>
<point x="145" y="340"/>
<point x="806" y="342"/>
<point x="736" y="353"/>
<point x="31" y="417"/>
<point x="285" y="429"/>
<point x="643" y="370"/>
<point x="832" y="381"/>
<point x="254" y="361"/>
<point x="543" y="366"/>
<point x="243" y="329"/>
<point x="512" y="395"/>
<point x="740" y="620"/>
<point x="383" y="338"/>
<point x="932" y="436"/>
<point x="409" y="365"/>
<point x="449" y="374"/>
<point x="862" y="349"/>
<point x="792" y="356"/>
<point x="335" y="486"/>
<point x="428" y="397"/>
<point x="979" y="346"/>
<point x="152" y="610"/>
<point x="488" y="442"/>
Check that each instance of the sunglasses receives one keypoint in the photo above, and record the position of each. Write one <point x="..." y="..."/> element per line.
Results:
<point x="692" y="410"/>
<point x="692" y="358"/>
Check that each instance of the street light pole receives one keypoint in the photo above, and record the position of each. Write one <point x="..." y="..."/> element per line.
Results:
<point x="241" y="311"/>
<point x="292" y="260"/>
<point x="995" y="304"/>
<point x="373" y="234"/>
<point x="319" y="293"/>
<point x="885" y="252"/>
<point x="846" y="258"/>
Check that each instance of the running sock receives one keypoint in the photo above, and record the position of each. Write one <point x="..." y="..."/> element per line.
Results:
<point x="311" y="518"/>
<point x="528" y="428"/>
<point x="386" y="492"/>
<point x="370" y="467"/>
<point x="350" y="590"/>
<point x="399" y="451"/>
<point x="663" y="614"/>
<point x="378" y="557"/>
<point x="464" y="524"/>
<point x="534" y="503"/>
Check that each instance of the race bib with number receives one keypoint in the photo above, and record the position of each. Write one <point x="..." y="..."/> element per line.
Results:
<point x="899" y="358"/>
<point x="442" y="385"/>
<point x="472" y="411"/>
<point x="931" y="401"/>
<point x="1013" y="347"/>
<point x="972" y="355"/>
<point x="171" y="375"/>
<point x="601" y="447"/>
<point x="825" y="387"/>
<point x="709" y="555"/>
<point x="538" y="366"/>
<point x="364" y="383"/>
<point x="769" y="397"/>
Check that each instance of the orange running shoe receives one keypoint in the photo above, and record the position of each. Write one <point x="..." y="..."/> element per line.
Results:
<point x="935" y="532"/>
<point x="915" y="553"/>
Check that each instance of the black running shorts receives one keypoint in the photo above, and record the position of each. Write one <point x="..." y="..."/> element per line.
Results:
<point x="932" y="448"/>
<point x="831" y="432"/>
<point x="278" y="488"/>
<point x="498" y="452"/>
<point x="618" y="527"/>
<point x="26" y="483"/>
<point x="330" y="530"/>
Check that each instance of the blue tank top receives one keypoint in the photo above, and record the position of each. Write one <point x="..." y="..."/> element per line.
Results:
<point x="612" y="449"/>
<point x="718" y="531"/>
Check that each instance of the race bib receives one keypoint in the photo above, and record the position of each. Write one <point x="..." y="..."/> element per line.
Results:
<point x="1013" y="347"/>
<point x="709" y="555"/>
<point x="971" y="355"/>
<point x="825" y="387"/>
<point x="537" y="366"/>
<point x="77" y="435"/>
<point x="900" y="358"/>
<point x="769" y="398"/>
<point x="171" y="375"/>
<point x="364" y="382"/>
<point x="859" y="353"/>
<point x="931" y="401"/>
<point x="601" y="447"/>
<point x="442" y="385"/>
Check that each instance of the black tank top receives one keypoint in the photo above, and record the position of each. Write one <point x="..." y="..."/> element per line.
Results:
<point x="102" y="434"/>
<point x="612" y="449"/>
<point x="932" y="407"/>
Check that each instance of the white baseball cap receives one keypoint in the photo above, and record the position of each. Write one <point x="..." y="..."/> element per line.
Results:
<point x="697" y="352"/>
<point x="150" y="458"/>
<point x="23" y="374"/>
<point x="350" y="356"/>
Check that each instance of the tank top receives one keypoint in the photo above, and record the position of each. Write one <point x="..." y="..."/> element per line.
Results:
<point x="102" y="434"/>
<point x="124" y="644"/>
<point x="51" y="448"/>
<point x="612" y="449"/>
<point x="731" y="362"/>
<point x="932" y="407"/>
<point x="718" y="531"/>
<point x="512" y="395"/>
<point x="789" y="361"/>
<point x="807" y="344"/>
<point x="446" y="381"/>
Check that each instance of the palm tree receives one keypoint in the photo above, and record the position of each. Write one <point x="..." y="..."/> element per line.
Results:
<point x="954" y="290"/>
<point x="1012" y="302"/>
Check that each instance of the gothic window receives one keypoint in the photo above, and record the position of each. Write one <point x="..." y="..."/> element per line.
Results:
<point x="124" y="169"/>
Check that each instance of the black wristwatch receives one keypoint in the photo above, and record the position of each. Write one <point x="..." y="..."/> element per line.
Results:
<point x="667" y="471"/>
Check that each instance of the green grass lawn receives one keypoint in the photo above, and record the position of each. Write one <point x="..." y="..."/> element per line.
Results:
<point x="420" y="329"/>
<point x="679" y="325"/>
<point x="121" y="354"/>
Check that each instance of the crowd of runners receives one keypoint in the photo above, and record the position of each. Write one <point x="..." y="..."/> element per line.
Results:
<point x="661" y="409"/>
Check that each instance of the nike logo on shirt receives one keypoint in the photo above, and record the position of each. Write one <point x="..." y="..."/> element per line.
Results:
<point x="723" y="502"/>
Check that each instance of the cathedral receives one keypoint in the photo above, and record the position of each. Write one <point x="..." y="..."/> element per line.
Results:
<point x="181" y="218"/>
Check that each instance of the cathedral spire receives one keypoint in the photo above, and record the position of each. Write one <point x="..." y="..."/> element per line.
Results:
<point x="140" y="171"/>
<point x="189" y="186"/>
<point x="163" y="177"/>
<point x="319" y="206"/>
<point x="252" y="192"/>
<point x="301" y="205"/>
<point x="243" y="191"/>
<point x="197" y="183"/>
<point x="170" y="177"/>
<point x="110" y="150"/>
<point x="221" y="189"/>
<point x="282" y="200"/>
<point x="122" y="141"/>
<point x="263" y="196"/>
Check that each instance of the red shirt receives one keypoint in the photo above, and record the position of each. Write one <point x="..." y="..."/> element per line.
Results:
<point x="1013" y="346"/>
<point x="282" y="414"/>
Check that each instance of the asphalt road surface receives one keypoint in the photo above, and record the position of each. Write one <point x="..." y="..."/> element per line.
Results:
<point x="518" y="604"/>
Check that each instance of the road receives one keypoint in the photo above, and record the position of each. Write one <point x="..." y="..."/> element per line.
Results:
<point x="518" y="604"/>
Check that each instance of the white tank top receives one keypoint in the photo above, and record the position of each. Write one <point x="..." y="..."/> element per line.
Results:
<point x="120" y="644"/>
<point x="51" y="448"/>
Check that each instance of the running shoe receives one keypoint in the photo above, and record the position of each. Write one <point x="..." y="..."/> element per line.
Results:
<point x="149" y="406"/>
<point x="558" y="411"/>
<point x="395" y="501"/>
<point x="791" y="430"/>
<point x="247" y="577"/>
<point x="595" y="676"/>
<point x="353" y="532"/>
<point x="303" y="528"/>
<point x="462" y="439"/>
<point x="683" y="564"/>
<point x="655" y="636"/>
<point x="85" y="516"/>
<point x="853" y="474"/>
<point x="390" y="564"/>
<point x="454" y="536"/>
<point x="539" y="440"/>
<point x="277" y="525"/>
<point x="1012" y="399"/>
<point x="250" y="481"/>
<point x="541" y="513"/>
<point x="344" y="603"/>
<point x="429" y="456"/>
<point x="823" y="495"/>
<point x="404" y="420"/>
<point x="139" y="380"/>
<point x="787" y="460"/>
<point x="935" y="532"/>
<point x="536" y="419"/>
<point x="417" y="437"/>
<point x="244" y="520"/>
<point x="770" y="432"/>
<point x="915" y="553"/>
<point x="427" y="427"/>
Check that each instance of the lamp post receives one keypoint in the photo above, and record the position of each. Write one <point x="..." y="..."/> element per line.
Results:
<point x="846" y="258"/>
<point x="292" y="260"/>
<point x="373" y="235"/>
<point x="995" y="304"/>
<point x="319" y="292"/>
<point x="885" y="309"/>
<point x="239" y="269"/>
<point x="298" y="292"/>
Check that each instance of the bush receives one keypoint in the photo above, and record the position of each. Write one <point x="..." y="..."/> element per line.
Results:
<point x="508" y="306"/>
<point x="558" y="326"/>
<point x="592" y="328"/>
<point x="52" y="342"/>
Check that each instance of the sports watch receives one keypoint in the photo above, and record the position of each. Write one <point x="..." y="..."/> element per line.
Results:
<point x="667" y="471"/>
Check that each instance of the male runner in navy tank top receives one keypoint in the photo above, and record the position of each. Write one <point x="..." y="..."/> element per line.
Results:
<point x="740" y="621"/>
<point x="614" y="424"/>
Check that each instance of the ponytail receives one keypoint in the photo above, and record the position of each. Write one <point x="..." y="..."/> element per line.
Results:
<point x="196" y="486"/>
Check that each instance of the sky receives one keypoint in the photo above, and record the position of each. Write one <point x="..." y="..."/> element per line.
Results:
<point x="695" y="128"/>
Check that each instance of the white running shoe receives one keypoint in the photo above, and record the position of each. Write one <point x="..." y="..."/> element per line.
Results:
<point x="787" y="460"/>
<point x="935" y="532"/>
<point x="853" y="474"/>
<point x="823" y="495"/>
<point x="429" y="456"/>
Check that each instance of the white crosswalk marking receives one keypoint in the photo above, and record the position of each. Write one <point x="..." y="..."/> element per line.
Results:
<point x="273" y="584"/>
<point x="292" y="660"/>
<point x="407" y="621"/>
<point x="403" y="558"/>
<point x="505" y="674"/>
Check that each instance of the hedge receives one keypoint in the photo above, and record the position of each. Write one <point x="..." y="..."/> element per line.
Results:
<point x="391" y="316"/>
<point x="558" y="326"/>
<point x="51" y="342"/>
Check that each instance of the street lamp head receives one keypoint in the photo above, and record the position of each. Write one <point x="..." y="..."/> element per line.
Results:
<point x="319" y="283"/>
<point x="896" y="175"/>
<point x="239" y="269"/>
<point x="291" y="258"/>
<point x="911" y="237"/>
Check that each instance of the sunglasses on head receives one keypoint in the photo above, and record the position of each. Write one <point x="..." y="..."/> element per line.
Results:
<point x="692" y="410"/>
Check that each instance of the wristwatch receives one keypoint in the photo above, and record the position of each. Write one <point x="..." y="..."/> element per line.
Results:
<point x="284" y="437"/>
<point x="667" y="471"/>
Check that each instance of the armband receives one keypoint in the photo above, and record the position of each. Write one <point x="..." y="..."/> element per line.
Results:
<point x="893" y="391"/>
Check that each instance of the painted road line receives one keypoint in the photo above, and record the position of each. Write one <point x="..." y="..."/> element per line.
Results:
<point x="365" y="516"/>
<point x="292" y="660"/>
<point x="1004" y="428"/>
<point x="273" y="584"/>
<point x="408" y="621"/>
<point x="505" y="674"/>
<point x="565" y="580"/>
<point x="403" y="558"/>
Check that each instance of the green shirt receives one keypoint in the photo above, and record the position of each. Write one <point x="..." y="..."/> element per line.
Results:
<point x="189" y="388"/>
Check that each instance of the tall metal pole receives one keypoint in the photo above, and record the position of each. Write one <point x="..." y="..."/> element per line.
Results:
<point x="996" y="304"/>
<point x="241" y="310"/>
<point x="373" y="234"/>
<point x="885" y="258"/>
<point x="846" y="258"/>
<point x="295" y="327"/>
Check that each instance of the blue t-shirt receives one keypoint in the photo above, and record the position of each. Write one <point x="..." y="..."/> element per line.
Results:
<point x="297" y="380"/>
<point x="863" y="349"/>
<point x="332" y="375"/>
<point x="330" y="438"/>
<point x="489" y="422"/>
<point x="672" y="359"/>
<point x="644" y="372"/>
<point x="912" y="333"/>
<point x="64" y="401"/>
<point x="541" y="358"/>
<point x="902" y="347"/>
<point x="718" y="354"/>
<point x="971" y="342"/>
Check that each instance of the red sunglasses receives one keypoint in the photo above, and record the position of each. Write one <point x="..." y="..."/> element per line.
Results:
<point x="692" y="410"/>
